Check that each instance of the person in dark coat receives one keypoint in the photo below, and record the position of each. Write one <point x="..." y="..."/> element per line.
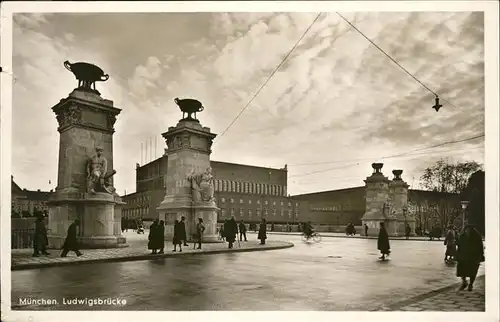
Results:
<point x="71" y="242"/>
<point x="182" y="231"/>
<point x="262" y="231"/>
<point x="407" y="231"/>
<point x="366" y="229"/>
<point x="176" y="240"/>
<point x="221" y="232"/>
<point x="451" y="245"/>
<point x="40" y="240"/>
<point x="383" y="242"/>
<point x="470" y="255"/>
<point x="160" y="236"/>
<point x="230" y="231"/>
<point x="200" y="229"/>
<point x="153" y="231"/>
<point x="243" y="230"/>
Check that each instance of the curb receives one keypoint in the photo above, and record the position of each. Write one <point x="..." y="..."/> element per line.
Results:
<point x="19" y="267"/>
<point x="355" y="237"/>
<point x="418" y="298"/>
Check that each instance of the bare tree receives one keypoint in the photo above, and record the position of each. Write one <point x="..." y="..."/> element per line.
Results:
<point x="446" y="177"/>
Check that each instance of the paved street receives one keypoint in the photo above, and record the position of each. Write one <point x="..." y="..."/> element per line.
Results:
<point x="137" y="250"/>
<point x="336" y="274"/>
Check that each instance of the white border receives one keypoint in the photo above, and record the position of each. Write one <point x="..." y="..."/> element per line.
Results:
<point x="491" y="158"/>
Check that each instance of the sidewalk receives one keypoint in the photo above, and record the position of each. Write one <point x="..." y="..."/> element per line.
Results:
<point x="343" y="235"/>
<point x="446" y="299"/>
<point x="22" y="258"/>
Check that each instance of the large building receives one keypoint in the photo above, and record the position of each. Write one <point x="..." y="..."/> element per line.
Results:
<point x="247" y="192"/>
<point x="26" y="202"/>
<point x="251" y="193"/>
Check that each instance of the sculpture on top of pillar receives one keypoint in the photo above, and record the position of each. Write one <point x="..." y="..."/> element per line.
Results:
<point x="87" y="74"/>
<point x="397" y="174"/>
<point x="202" y="186"/>
<point x="97" y="174"/>
<point x="189" y="106"/>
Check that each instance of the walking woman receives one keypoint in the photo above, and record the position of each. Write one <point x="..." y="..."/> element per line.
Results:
<point x="177" y="240"/>
<point x="383" y="242"/>
<point x="262" y="231"/>
<point x="200" y="228"/>
<point x="451" y="246"/>
<point x="470" y="255"/>
<point x="160" y="236"/>
<point x="153" y="231"/>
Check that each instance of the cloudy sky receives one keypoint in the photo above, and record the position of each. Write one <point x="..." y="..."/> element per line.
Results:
<point x="335" y="106"/>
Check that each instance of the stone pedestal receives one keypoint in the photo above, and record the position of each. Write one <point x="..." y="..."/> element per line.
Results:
<point x="188" y="150"/>
<point x="376" y="194"/>
<point x="86" y="121"/>
<point x="400" y="217"/>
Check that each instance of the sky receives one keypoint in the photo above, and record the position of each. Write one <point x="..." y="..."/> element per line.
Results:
<point x="336" y="105"/>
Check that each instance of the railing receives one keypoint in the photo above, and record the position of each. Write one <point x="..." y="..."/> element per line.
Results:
<point x="23" y="238"/>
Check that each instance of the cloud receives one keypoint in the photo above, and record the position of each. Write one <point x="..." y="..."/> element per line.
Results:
<point x="336" y="98"/>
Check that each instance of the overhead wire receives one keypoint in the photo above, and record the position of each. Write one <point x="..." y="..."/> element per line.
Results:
<point x="394" y="155"/>
<point x="393" y="60"/>
<point x="271" y="75"/>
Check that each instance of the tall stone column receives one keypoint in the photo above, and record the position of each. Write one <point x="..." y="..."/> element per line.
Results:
<point x="376" y="194"/>
<point x="86" y="124"/>
<point x="399" y="196"/>
<point x="188" y="150"/>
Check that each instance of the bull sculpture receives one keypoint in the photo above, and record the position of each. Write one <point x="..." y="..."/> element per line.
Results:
<point x="86" y="74"/>
<point x="189" y="106"/>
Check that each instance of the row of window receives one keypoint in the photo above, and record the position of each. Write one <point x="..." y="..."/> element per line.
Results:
<point x="258" y="213"/>
<point x="266" y="202"/>
<point x="136" y="212"/>
<point x="250" y="187"/>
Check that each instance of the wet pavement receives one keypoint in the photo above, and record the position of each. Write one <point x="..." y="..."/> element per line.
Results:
<point x="336" y="274"/>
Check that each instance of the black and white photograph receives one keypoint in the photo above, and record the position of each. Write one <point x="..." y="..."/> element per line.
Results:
<point x="239" y="156"/>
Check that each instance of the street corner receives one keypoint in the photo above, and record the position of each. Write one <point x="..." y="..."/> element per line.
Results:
<point x="24" y="260"/>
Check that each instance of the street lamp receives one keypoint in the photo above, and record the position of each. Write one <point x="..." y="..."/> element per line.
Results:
<point x="464" y="204"/>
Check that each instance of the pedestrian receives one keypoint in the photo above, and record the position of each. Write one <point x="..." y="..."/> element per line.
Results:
<point x="123" y="224"/>
<point x="366" y="229"/>
<point x="230" y="231"/>
<point x="71" y="242"/>
<point x="160" y="236"/>
<point x="152" y="236"/>
<point x="262" y="231"/>
<point x="182" y="231"/>
<point x="200" y="229"/>
<point x="40" y="240"/>
<point x="176" y="240"/>
<point x="221" y="233"/>
<point x="408" y="231"/>
<point x="243" y="230"/>
<point x="470" y="255"/>
<point x="451" y="245"/>
<point x="383" y="242"/>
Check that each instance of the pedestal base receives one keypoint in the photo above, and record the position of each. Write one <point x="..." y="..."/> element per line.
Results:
<point x="96" y="213"/>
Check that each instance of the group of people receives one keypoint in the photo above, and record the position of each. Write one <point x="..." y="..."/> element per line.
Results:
<point x="157" y="235"/>
<point x="41" y="242"/>
<point x="230" y="229"/>
<point x="466" y="248"/>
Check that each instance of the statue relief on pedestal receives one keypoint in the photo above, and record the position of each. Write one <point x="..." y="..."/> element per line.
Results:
<point x="97" y="174"/>
<point x="72" y="115"/>
<point x="202" y="186"/>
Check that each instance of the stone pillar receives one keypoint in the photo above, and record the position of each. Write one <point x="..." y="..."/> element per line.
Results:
<point x="188" y="151"/>
<point x="376" y="194"/>
<point x="399" y="197"/>
<point x="86" y="121"/>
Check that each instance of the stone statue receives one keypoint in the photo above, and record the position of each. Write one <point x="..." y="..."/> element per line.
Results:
<point x="86" y="74"/>
<point x="97" y="174"/>
<point x="202" y="186"/>
<point x="189" y="106"/>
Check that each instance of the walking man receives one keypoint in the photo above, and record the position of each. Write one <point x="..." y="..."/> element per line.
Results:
<point x="470" y="256"/>
<point x="243" y="230"/>
<point x="40" y="241"/>
<point x="71" y="242"/>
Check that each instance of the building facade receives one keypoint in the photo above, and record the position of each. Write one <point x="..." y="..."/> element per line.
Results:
<point x="26" y="202"/>
<point x="247" y="192"/>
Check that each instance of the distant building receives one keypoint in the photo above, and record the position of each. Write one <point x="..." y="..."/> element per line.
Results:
<point x="247" y="192"/>
<point x="28" y="201"/>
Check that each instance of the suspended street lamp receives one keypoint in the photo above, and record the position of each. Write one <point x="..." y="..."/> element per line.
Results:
<point x="437" y="106"/>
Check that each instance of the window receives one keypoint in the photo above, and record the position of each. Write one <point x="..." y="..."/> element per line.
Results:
<point x="289" y="204"/>
<point x="249" y="213"/>
<point x="274" y="212"/>
<point x="232" y="200"/>
<point x="223" y="200"/>
<point x="223" y="212"/>
<point x="266" y="202"/>
<point x="274" y="203"/>
<point x="238" y="187"/>
<point x="258" y="202"/>
<point x="241" y="212"/>
<point x="282" y="213"/>
<point x="282" y="203"/>
<point x="265" y="211"/>
<point x="241" y="201"/>
<point x="249" y="201"/>
<point x="258" y="212"/>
